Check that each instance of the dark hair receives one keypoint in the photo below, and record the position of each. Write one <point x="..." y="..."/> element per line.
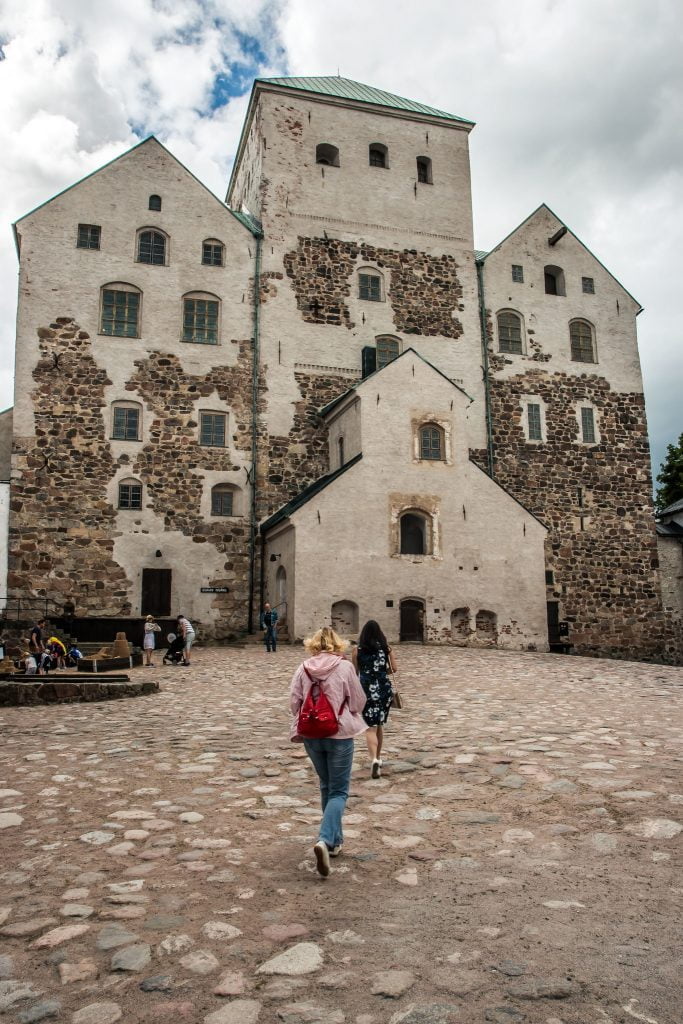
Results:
<point x="372" y="638"/>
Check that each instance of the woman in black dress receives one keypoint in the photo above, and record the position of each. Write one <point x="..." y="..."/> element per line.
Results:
<point x="373" y="660"/>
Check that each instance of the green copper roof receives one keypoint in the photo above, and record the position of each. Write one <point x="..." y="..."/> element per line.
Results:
<point x="347" y="89"/>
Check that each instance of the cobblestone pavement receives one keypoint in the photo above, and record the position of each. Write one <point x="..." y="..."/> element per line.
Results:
<point x="519" y="860"/>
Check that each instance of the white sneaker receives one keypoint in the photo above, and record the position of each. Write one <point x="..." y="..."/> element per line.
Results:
<point x="322" y="858"/>
<point x="335" y="851"/>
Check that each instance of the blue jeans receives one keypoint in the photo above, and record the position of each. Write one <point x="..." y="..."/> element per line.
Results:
<point x="332" y="760"/>
<point x="270" y="638"/>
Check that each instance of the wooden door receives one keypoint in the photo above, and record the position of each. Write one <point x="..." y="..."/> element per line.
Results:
<point x="156" y="592"/>
<point x="412" y="619"/>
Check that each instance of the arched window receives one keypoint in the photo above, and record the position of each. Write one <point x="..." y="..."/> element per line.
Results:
<point x="509" y="332"/>
<point x="155" y="203"/>
<point x="370" y="285"/>
<point x="553" y="278"/>
<point x="130" y="494"/>
<point x="486" y="625"/>
<point x="223" y="500"/>
<point x="582" y="341"/>
<point x="431" y="442"/>
<point x="378" y="155"/>
<point x="151" y="247"/>
<point x="126" y="421"/>
<point x="201" y="312"/>
<point x="415" y="539"/>
<point x="388" y="349"/>
<point x="460" y="624"/>
<point x="212" y="252"/>
<point x="340" y="449"/>
<point x="345" y="617"/>
<point x="327" y="154"/>
<point x="424" y="170"/>
<point x="120" y="310"/>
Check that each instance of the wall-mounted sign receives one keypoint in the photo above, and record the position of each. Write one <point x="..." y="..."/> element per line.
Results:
<point x="215" y="590"/>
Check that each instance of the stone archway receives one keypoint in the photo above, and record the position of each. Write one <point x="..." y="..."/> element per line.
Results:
<point x="345" y="617"/>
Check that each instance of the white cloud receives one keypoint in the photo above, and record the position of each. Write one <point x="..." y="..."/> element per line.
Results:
<point x="577" y="105"/>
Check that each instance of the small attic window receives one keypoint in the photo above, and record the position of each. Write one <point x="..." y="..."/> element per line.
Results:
<point x="424" y="170"/>
<point x="554" y="280"/>
<point x="378" y="155"/>
<point x="155" y="202"/>
<point x="327" y="154"/>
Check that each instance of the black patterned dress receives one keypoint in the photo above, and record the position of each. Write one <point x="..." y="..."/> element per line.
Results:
<point x="372" y="671"/>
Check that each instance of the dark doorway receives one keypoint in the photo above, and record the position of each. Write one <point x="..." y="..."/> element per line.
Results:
<point x="557" y="631"/>
<point x="156" y="592"/>
<point x="412" y="620"/>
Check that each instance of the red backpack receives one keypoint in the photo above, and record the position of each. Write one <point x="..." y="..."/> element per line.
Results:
<point x="317" y="720"/>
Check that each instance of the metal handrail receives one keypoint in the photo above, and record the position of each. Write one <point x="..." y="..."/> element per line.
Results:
<point x="45" y="605"/>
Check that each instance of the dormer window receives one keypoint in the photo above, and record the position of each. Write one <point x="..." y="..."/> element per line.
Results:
<point x="327" y="154"/>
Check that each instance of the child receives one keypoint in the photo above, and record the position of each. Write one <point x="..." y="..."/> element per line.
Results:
<point x="73" y="655"/>
<point x="148" y="644"/>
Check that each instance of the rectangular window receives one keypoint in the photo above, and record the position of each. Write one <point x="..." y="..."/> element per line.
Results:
<point x="588" y="426"/>
<point x="369" y="287"/>
<point x="130" y="495"/>
<point x="517" y="273"/>
<point x="212" y="429"/>
<point x="549" y="578"/>
<point x="88" y="236"/>
<point x="588" y="285"/>
<point x="212" y="254"/>
<point x="120" y="311"/>
<point x="200" y="321"/>
<point x="534" y="421"/>
<point x="126" y="424"/>
<point x="221" y="503"/>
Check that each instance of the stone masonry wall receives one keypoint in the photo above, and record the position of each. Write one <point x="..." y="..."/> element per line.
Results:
<point x="596" y="501"/>
<point x="424" y="291"/>
<point x="61" y="525"/>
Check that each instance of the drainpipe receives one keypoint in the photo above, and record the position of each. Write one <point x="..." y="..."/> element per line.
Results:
<point x="485" y="369"/>
<point x="255" y="365"/>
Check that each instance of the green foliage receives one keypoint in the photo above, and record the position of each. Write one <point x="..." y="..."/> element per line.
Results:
<point x="670" y="476"/>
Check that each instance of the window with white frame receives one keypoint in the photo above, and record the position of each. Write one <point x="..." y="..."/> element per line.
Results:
<point x="588" y="424"/>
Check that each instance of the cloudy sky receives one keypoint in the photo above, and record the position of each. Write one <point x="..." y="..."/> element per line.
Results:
<point x="577" y="103"/>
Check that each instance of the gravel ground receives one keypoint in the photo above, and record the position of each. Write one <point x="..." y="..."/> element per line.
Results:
<point x="519" y="860"/>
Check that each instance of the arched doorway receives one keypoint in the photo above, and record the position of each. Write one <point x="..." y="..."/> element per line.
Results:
<point x="345" y="617"/>
<point x="412" y="619"/>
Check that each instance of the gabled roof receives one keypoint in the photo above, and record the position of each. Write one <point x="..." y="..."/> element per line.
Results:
<point x="669" y="530"/>
<point x="138" y="145"/>
<point x="348" y="89"/>
<point x="480" y="256"/>
<point x="677" y="506"/>
<point x="354" y="387"/>
<point x="309" y="492"/>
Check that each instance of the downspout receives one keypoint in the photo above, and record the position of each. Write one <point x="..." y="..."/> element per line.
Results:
<point x="255" y="361"/>
<point x="485" y="369"/>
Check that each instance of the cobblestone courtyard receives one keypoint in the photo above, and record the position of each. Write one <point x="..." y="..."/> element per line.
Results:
<point x="520" y="860"/>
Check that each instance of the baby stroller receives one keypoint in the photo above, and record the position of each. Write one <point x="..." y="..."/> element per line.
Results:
<point x="174" y="651"/>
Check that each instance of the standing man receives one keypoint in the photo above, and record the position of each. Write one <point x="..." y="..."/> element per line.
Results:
<point x="269" y="625"/>
<point x="36" y="645"/>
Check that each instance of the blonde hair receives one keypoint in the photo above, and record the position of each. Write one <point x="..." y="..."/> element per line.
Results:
<point x="325" y="640"/>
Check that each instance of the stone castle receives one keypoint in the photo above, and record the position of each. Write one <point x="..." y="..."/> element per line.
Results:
<point x="320" y="394"/>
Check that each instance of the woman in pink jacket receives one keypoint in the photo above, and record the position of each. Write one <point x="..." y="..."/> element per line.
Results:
<point x="332" y="757"/>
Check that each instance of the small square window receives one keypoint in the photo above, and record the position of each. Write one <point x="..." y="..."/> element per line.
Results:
<point x="588" y="285"/>
<point x="370" y="287"/>
<point x="534" y="421"/>
<point x="88" y="236"/>
<point x="518" y="273"/>
<point x="130" y="496"/>
<point x="212" y="429"/>
<point x="212" y="254"/>
<point x="221" y="502"/>
<point x="126" y="424"/>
